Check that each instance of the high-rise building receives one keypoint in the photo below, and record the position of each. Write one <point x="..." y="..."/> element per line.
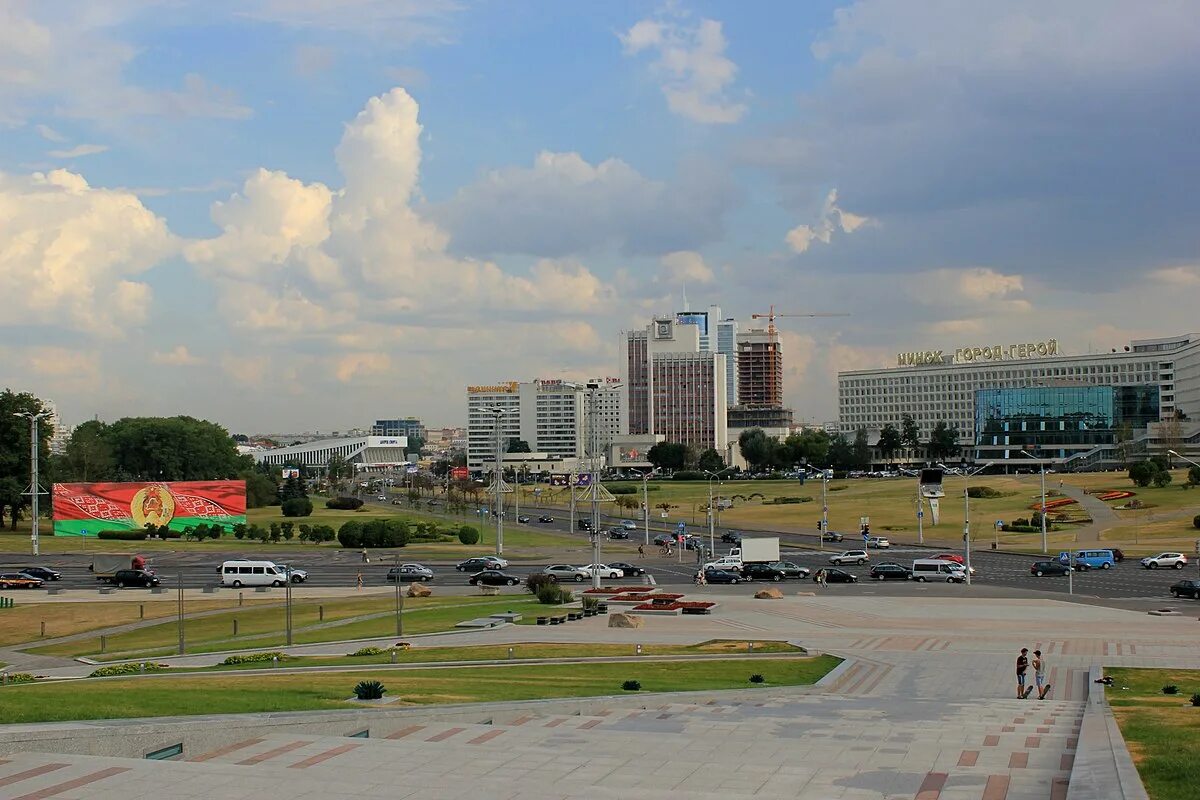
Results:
<point x="760" y="369"/>
<point x="674" y="388"/>
<point x="408" y="426"/>
<point x="727" y="332"/>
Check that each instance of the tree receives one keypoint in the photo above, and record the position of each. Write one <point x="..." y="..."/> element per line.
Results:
<point x="668" y="456"/>
<point x="841" y="454"/>
<point x="757" y="448"/>
<point x="943" y="442"/>
<point x="710" y="461"/>
<point x="1193" y="476"/>
<point x="807" y="447"/>
<point x="14" y="449"/>
<point x="1162" y="478"/>
<point x="261" y="490"/>
<point x="910" y="432"/>
<point x="862" y="449"/>
<point x="518" y="446"/>
<point x="88" y="456"/>
<point x="297" y="507"/>
<point x="890" y="441"/>
<point x="173" y="449"/>
<point x="337" y="470"/>
<point x="1142" y="473"/>
<point x="415" y="445"/>
<point x="292" y="489"/>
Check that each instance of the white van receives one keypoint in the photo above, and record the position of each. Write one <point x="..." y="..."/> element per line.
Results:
<point x="935" y="569"/>
<point x="252" y="573"/>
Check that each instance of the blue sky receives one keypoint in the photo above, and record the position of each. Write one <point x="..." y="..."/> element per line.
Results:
<point x="308" y="214"/>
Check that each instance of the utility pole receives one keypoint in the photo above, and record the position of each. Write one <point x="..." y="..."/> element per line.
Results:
<point x="498" y="477"/>
<point x="179" y="596"/>
<point x="594" y="488"/>
<point x="1043" y="511"/>
<point x="35" y="486"/>
<point x="399" y="599"/>
<point x="967" y="475"/>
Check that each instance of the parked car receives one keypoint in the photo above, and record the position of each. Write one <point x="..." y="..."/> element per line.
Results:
<point x="721" y="576"/>
<point x="1040" y="568"/>
<point x="565" y="572"/>
<point x="381" y="498"/>
<point x="134" y="577"/>
<point x="493" y="577"/>
<point x="832" y="536"/>
<point x="409" y="572"/>
<point x="17" y="580"/>
<point x="605" y="571"/>
<point x="890" y="572"/>
<point x="41" y="573"/>
<point x="850" y="557"/>
<point x="733" y="537"/>
<point x="791" y="569"/>
<point x="1186" y="588"/>
<point x="834" y="575"/>
<point x="397" y="502"/>
<point x="880" y="542"/>
<point x="618" y="533"/>
<point x="481" y="562"/>
<point x="630" y="570"/>
<point x="522" y="518"/>
<point x="545" y="518"/>
<point x="762" y="572"/>
<point x="629" y="525"/>
<point x="1164" y="560"/>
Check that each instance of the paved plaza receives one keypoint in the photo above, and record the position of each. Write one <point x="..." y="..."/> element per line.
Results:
<point x="923" y="707"/>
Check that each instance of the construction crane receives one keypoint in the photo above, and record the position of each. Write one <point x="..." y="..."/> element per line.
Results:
<point x="771" y="317"/>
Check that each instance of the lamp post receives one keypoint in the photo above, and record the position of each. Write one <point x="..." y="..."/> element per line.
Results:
<point x="594" y="483"/>
<point x="498" y="477"/>
<point x="967" y="475"/>
<point x="35" y="487"/>
<point x="1043" y="513"/>
<point x="646" y="506"/>
<point x="712" y="542"/>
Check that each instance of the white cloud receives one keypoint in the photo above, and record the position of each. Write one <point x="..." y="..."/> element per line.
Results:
<point x="72" y="253"/>
<point x="832" y="217"/>
<point x="694" y="71"/>
<point x="1177" y="276"/>
<point x="684" y="266"/>
<point x="80" y="150"/>
<point x="49" y="134"/>
<point x="180" y="356"/>
<point x="977" y="284"/>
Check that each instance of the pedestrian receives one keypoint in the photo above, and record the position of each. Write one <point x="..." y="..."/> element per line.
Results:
<point x="360" y="581"/>
<point x="1039" y="675"/>
<point x="641" y="551"/>
<point x="1022" y="668"/>
<point x="821" y="578"/>
<point x="363" y="553"/>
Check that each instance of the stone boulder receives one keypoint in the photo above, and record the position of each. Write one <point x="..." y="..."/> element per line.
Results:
<point x="418" y="590"/>
<point x="768" y="594"/>
<point x="625" y="621"/>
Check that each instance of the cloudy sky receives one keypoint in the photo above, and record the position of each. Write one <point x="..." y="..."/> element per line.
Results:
<point x="307" y="214"/>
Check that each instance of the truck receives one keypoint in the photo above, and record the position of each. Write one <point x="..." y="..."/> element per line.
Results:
<point x="759" y="550"/>
<point x="105" y="565"/>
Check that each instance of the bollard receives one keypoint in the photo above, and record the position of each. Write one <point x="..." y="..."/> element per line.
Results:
<point x="321" y="613"/>
<point x="510" y="653"/>
<point x="393" y="655"/>
<point x="43" y="629"/>
<point x="750" y="645"/>
<point x="142" y="668"/>
<point x="235" y="627"/>
<point x="241" y="599"/>
<point x="141" y="612"/>
<point x="639" y="650"/>
<point x="274" y="662"/>
<point x="103" y="642"/>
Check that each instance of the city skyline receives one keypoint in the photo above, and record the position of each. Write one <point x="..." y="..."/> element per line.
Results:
<point x="316" y="216"/>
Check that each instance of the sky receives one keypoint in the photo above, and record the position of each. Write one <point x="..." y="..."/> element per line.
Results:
<point x="290" y="215"/>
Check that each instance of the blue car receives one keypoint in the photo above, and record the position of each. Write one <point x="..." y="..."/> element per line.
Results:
<point x="1089" y="559"/>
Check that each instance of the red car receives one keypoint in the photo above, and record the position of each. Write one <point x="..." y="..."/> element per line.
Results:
<point x="955" y="557"/>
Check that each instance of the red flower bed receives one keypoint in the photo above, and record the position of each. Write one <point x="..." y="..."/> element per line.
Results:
<point x="674" y="606"/>
<point x="602" y="590"/>
<point x="631" y="598"/>
<point x="1062" y="501"/>
<point x="695" y="604"/>
<point x="1117" y="495"/>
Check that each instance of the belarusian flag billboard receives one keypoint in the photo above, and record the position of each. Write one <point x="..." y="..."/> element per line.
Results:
<point x="85" y="509"/>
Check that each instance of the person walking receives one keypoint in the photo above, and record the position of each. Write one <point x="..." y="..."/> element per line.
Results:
<point x="360" y="581"/>
<point x="1022" y="668"/>
<point x="641" y="551"/>
<point x="1039" y="675"/>
<point x="821" y="576"/>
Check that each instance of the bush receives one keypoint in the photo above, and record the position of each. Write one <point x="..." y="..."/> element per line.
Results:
<point x="632" y="686"/>
<point x="369" y="690"/>
<point x="1196" y="521"/>
<point x="1162" y="479"/>
<point x="623" y="489"/>
<point x="344" y="503"/>
<point x="984" y="492"/>
<point x="127" y="669"/>
<point x="124" y="536"/>
<point x="1170" y="688"/>
<point x="554" y="595"/>
<point x="240" y="530"/>
<point x="276" y="532"/>
<point x="756" y="678"/>
<point x="368" y="651"/>
<point x="297" y="507"/>
<point x="20" y="677"/>
<point x="536" y="580"/>
<point x="468" y="535"/>
<point x="350" y="534"/>
<point x="289" y="529"/>
<point x="783" y="501"/>
<point x="1196" y="700"/>
<point x="323" y="533"/>
<point x="1143" y="472"/>
<point x="253" y="658"/>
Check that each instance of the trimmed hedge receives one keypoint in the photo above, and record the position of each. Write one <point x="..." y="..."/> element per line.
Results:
<point x="123" y="536"/>
<point x="297" y="507"/>
<point x="368" y="651"/>
<point x="783" y="501"/>
<point x="344" y="503"/>
<point x="253" y="658"/>
<point x="128" y="669"/>
<point x="469" y="535"/>
<point x="984" y="492"/>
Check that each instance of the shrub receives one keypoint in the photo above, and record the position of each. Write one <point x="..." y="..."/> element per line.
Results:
<point x="276" y="532"/>
<point x="127" y="669"/>
<point x="289" y="530"/>
<point x="240" y="530"/>
<point x="688" y="475"/>
<point x="1162" y="479"/>
<point x="369" y="690"/>
<point x="783" y="501"/>
<point x="554" y="595"/>
<point x="984" y="492"/>
<point x="344" y="503"/>
<point x="468" y="535"/>
<point x="632" y="686"/>
<point x="124" y="536"/>
<point x="253" y="658"/>
<point x="20" y="677"/>
<point x="1143" y="472"/>
<point x="323" y="533"/>
<point x="1196" y="700"/>
<point x="350" y="534"/>
<point x="305" y="531"/>
<point x="536" y="580"/>
<point x="623" y="489"/>
<point x="368" y="651"/>
<point x="1170" y="688"/>
<point x="756" y="678"/>
<point x="297" y="507"/>
<point x="1196" y="521"/>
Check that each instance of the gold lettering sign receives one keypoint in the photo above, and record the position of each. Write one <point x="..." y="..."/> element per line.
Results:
<point x="499" y="388"/>
<point x="971" y="355"/>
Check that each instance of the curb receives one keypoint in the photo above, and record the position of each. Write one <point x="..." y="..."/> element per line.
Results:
<point x="1103" y="768"/>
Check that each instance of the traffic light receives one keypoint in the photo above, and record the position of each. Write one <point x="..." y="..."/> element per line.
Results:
<point x="866" y="529"/>
<point x="818" y="524"/>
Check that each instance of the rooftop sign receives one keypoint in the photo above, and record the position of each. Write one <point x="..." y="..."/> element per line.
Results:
<point x="969" y="355"/>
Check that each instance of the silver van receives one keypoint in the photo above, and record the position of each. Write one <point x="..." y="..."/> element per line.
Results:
<point x="936" y="569"/>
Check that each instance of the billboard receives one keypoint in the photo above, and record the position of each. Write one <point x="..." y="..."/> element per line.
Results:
<point x="290" y="472"/>
<point x="460" y="474"/>
<point x="85" y="509"/>
<point x="697" y="318"/>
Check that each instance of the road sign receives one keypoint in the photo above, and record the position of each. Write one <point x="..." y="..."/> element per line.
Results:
<point x="920" y="514"/>
<point x="681" y="527"/>
<point x="828" y="475"/>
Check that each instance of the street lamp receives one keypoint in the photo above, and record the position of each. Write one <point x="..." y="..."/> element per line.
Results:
<point x="498" y="478"/>
<point x="35" y="487"/>
<point x="967" y="475"/>
<point x="711" y="515"/>
<point x="826" y="474"/>
<point x="1043" y="514"/>
<point x="646" y="504"/>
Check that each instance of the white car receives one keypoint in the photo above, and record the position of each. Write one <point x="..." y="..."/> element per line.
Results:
<point x="629" y="525"/>
<point x="604" y="571"/>
<point x="731" y="563"/>
<point x="565" y="572"/>
<point x="1164" y="560"/>
<point x="880" y="542"/>
<point x="850" y="557"/>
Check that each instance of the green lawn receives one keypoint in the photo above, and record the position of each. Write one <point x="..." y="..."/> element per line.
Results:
<point x="226" y="693"/>
<point x="1162" y="731"/>
<point x="263" y="627"/>
<point x="24" y="622"/>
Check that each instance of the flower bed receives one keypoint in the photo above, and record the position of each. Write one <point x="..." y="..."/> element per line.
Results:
<point x="666" y="609"/>
<point x="1117" y="495"/>
<point x="1064" y="501"/>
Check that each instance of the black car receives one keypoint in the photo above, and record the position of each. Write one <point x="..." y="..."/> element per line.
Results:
<point x="618" y="533"/>
<point x="832" y="536"/>
<point x="762" y="572"/>
<point x="791" y="569"/>
<point x="721" y="576"/>
<point x="1186" y="588"/>
<point x="1040" y="568"/>
<point x="134" y="577"/>
<point x="733" y="537"/>
<point x="584" y="524"/>
<point x="835" y="575"/>
<point x="629" y="569"/>
<point x="477" y="563"/>
<point x="41" y="573"/>
<point x="493" y="577"/>
<point x="545" y="518"/>
<point x="409" y="572"/>
<point x="890" y="572"/>
<point x="664" y="539"/>
<point x="523" y="519"/>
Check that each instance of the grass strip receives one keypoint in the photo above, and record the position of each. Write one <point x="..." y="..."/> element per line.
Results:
<point x="1161" y="730"/>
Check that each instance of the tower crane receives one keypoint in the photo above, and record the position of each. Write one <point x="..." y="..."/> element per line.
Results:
<point x="772" y="316"/>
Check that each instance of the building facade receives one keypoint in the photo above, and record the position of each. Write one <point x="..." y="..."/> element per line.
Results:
<point x="727" y="333"/>
<point x="410" y="427"/>
<point x="363" y="452"/>
<point x="760" y="369"/>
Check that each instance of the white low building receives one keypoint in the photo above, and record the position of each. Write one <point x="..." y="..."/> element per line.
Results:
<point x="364" y="452"/>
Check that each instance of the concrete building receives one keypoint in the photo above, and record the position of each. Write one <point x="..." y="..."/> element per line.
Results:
<point x="364" y="452"/>
<point x="410" y="427"/>
<point x="549" y="415"/>
<point x="717" y="335"/>
<point x="760" y="369"/>
<point x="672" y="387"/>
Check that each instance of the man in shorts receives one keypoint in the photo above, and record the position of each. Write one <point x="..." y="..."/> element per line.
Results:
<point x="1039" y="675"/>
<point x="1022" y="668"/>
